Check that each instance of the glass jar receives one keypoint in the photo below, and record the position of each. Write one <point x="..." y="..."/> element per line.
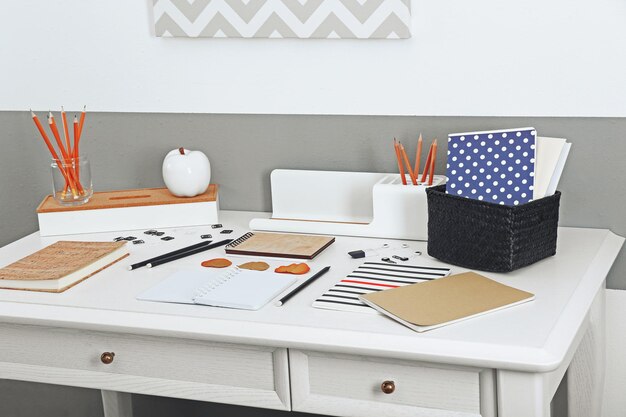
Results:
<point x="71" y="181"/>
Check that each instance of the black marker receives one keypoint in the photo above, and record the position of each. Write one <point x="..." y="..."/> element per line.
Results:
<point x="171" y="258"/>
<point x="165" y="255"/>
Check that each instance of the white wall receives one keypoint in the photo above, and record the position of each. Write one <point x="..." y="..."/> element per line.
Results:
<point x="466" y="57"/>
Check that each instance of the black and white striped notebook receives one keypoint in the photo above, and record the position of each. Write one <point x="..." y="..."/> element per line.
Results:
<point x="372" y="277"/>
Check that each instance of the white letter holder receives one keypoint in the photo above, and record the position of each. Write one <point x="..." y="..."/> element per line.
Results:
<point x="347" y="203"/>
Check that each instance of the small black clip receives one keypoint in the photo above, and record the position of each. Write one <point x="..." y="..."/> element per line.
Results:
<point x="150" y="232"/>
<point x="216" y="226"/>
<point x="205" y="236"/>
<point x="119" y="238"/>
<point x="388" y="261"/>
<point x="159" y="233"/>
<point x="167" y="238"/>
<point x="401" y="258"/>
<point x="226" y="231"/>
<point x="130" y="238"/>
<point x="138" y="242"/>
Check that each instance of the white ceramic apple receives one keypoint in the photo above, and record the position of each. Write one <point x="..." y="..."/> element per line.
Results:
<point x="186" y="173"/>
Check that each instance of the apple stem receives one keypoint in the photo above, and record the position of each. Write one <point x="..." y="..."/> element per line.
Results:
<point x="181" y="150"/>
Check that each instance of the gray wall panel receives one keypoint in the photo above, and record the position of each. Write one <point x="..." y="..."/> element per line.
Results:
<point x="127" y="150"/>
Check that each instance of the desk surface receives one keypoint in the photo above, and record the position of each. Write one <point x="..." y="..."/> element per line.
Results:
<point x="531" y="337"/>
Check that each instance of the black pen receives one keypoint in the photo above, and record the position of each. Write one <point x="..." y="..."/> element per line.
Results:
<point x="166" y="255"/>
<point x="300" y="287"/>
<point x="188" y="253"/>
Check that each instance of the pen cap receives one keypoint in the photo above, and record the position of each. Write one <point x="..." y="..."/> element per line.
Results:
<point x="357" y="254"/>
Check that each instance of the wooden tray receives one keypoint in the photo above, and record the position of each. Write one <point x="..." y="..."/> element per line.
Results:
<point x="128" y="198"/>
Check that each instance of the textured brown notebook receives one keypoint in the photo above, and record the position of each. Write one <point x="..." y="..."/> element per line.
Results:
<point x="443" y="301"/>
<point x="61" y="265"/>
<point x="280" y="245"/>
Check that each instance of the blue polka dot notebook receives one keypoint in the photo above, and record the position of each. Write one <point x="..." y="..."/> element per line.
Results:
<point x="496" y="166"/>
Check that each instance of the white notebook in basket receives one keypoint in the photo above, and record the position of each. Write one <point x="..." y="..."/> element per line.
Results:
<point x="231" y="288"/>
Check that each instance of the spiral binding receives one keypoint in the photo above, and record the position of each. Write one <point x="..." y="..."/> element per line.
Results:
<point x="239" y="241"/>
<point x="207" y="288"/>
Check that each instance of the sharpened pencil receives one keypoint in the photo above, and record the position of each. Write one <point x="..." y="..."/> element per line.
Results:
<point x="427" y="165"/>
<point x="46" y="139"/>
<point x="66" y="132"/>
<point x="418" y="156"/>
<point x="400" y="169"/>
<point x="57" y="136"/>
<point x="408" y="164"/>
<point x="80" y="131"/>
<point x="432" y="164"/>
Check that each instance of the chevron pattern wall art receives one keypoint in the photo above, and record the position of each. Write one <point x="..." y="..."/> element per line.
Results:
<point x="321" y="19"/>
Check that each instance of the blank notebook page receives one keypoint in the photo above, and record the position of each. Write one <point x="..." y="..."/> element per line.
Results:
<point x="243" y="289"/>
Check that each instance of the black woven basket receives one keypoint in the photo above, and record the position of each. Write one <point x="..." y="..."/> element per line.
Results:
<point x="490" y="237"/>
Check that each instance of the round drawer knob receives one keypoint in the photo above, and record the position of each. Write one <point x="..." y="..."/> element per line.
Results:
<point x="107" y="358"/>
<point x="388" y="387"/>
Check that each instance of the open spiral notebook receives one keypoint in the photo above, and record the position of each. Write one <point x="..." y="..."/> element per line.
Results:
<point x="232" y="288"/>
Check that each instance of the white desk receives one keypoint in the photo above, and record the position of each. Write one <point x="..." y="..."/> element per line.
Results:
<point x="297" y="357"/>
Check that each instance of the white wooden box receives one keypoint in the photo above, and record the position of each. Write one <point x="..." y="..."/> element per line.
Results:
<point x="110" y="211"/>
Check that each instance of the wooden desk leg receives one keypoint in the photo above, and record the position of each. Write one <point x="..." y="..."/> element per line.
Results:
<point x="522" y="394"/>
<point x="117" y="404"/>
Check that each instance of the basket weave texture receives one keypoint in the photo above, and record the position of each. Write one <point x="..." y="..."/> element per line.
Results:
<point x="490" y="237"/>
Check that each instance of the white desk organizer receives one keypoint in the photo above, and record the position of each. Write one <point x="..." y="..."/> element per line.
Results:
<point x="146" y="208"/>
<point x="347" y="203"/>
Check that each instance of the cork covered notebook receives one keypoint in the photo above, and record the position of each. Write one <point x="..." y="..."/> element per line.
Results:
<point x="444" y="301"/>
<point x="280" y="245"/>
<point x="61" y="265"/>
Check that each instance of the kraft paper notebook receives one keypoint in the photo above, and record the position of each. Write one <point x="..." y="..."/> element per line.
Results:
<point x="279" y="245"/>
<point x="61" y="265"/>
<point x="233" y="288"/>
<point x="444" y="301"/>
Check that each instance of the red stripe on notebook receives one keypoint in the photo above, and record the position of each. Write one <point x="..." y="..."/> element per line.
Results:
<point x="369" y="283"/>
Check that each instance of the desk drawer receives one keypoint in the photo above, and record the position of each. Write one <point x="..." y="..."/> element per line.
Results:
<point x="180" y="368"/>
<point x="346" y="385"/>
